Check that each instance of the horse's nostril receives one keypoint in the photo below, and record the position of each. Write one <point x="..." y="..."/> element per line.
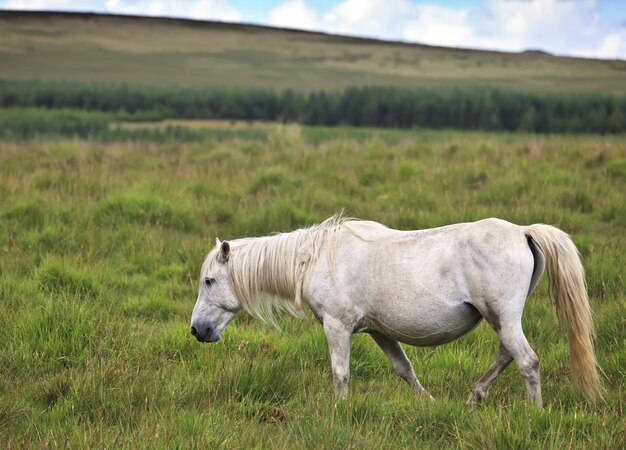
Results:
<point x="194" y="332"/>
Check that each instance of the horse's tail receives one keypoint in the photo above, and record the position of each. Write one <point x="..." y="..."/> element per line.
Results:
<point x="569" y="294"/>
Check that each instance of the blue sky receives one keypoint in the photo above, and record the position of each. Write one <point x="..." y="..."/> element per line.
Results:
<point x="590" y="28"/>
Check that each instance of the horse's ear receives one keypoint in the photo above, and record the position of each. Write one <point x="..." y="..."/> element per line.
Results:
<point x="224" y="252"/>
<point x="218" y="242"/>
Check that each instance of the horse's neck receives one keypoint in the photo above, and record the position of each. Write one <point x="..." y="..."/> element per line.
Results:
<point x="270" y="263"/>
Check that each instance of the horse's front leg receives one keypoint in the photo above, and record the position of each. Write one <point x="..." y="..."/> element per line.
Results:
<point x="338" y="337"/>
<point x="400" y="362"/>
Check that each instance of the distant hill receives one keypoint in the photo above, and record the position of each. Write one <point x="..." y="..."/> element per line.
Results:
<point x="92" y="47"/>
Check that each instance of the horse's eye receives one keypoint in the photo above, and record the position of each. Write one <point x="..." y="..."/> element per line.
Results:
<point x="208" y="281"/>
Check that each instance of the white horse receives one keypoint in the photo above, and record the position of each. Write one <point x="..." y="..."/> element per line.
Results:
<point x="424" y="288"/>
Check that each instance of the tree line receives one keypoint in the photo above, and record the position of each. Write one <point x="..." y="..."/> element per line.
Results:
<point x="462" y="108"/>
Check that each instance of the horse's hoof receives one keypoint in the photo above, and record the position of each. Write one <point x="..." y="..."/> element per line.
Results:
<point x="474" y="400"/>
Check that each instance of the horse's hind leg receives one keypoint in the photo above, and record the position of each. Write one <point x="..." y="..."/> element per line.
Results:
<point x="400" y="362"/>
<point x="512" y="337"/>
<point x="481" y="387"/>
<point x="507" y="322"/>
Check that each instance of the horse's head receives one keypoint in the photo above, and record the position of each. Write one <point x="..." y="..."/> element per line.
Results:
<point x="217" y="303"/>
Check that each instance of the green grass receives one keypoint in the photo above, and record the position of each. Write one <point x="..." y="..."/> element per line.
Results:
<point x="82" y="47"/>
<point x="101" y="244"/>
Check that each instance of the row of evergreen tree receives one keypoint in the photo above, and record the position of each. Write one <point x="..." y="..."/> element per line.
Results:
<point x="469" y="108"/>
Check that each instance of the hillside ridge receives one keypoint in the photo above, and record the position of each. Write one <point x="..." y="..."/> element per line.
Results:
<point x="244" y="25"/>
<point x="162" y="50"/>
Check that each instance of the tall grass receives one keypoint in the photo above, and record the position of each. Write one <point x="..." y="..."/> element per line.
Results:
<point x="101" y="244"/>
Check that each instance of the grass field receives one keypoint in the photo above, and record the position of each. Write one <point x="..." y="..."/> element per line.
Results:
<point x="100" y="249"/>
<point x="83" y="47"/>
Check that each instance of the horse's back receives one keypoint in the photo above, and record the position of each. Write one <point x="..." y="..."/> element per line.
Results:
<point x="486" y="242"/>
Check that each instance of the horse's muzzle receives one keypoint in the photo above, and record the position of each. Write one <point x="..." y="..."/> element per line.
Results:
<point x="205" y="334"/>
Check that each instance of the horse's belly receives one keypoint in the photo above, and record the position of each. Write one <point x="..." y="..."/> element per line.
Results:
<point x="426" y="328"/>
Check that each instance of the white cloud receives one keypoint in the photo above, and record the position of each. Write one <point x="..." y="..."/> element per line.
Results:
<point x="613" y="45"/>
<point x="563" y="27"/>
<point x="36" y="5"/>
<point x="367" y="17"/>
<point x="437" y="25"/>
<point x="355" y="17"/>
<point x="294" y="14"/>
<point x="552" y="24"/>
<point x="194" y="9"/>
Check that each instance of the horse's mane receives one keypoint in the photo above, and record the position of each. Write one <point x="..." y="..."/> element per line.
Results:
<point x="267" y="273"/>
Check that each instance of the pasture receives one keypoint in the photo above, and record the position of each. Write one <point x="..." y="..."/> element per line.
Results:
<point x="100" y="250"/>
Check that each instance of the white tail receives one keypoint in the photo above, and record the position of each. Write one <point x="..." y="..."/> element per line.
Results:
<point x="569" y="294"/>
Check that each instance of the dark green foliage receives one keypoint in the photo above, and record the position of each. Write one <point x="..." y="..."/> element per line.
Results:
<point x="24" y="123"/>
<point x="274" y="176"/>
<point x="144" y="210"/>
<point x="467" y="109"/>
<point x="150" y="310"/>
<point x="56" y="279"/>
<point x="617" y="169"/>
<point x="30" y="215"/>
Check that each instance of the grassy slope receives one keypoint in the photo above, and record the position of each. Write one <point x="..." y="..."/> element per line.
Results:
<point x="100" y="246"/>
<point x="162" y="51"/>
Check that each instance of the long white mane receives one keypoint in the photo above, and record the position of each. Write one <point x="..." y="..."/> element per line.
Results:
<point x="267" y="273"/>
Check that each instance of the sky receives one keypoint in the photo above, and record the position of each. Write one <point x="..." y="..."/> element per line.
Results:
<point x="588" y="28"/>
